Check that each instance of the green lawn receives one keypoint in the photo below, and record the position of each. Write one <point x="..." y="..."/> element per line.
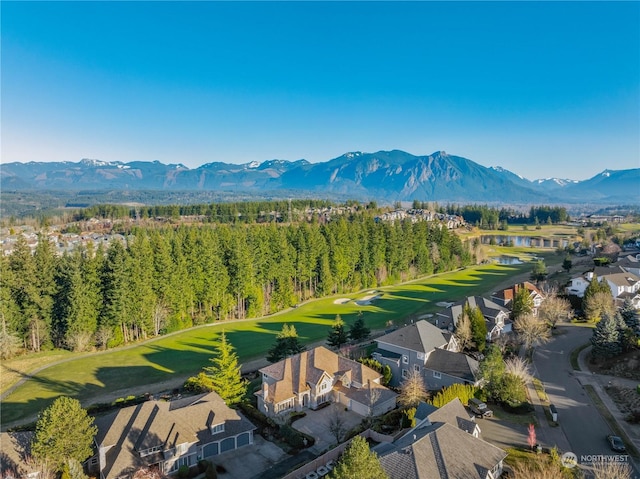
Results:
<point x="185" y="353"/>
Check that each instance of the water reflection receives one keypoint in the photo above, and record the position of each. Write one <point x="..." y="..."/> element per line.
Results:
<point x="535" y="242"/>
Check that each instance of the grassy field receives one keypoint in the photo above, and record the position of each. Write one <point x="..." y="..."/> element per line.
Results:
<point x="93" y="375"/>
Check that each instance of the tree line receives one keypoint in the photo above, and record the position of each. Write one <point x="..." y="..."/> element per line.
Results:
<point x="486" y="217"/>
<point x="163" y="279"/>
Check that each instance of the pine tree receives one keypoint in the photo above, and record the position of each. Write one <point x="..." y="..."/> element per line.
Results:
<point x="337" y="336"/>
<point x="358" y="330"/>
<point x="478" y="326"/>
<point x="287" y="344"/>
<point x="629" y="314"/>
<point x="522" y="303"/>
<point x="64" y="431"/>
<point x="358" y="462"/>
<point x="606" y="338"/>
<point x="225" y="373"/>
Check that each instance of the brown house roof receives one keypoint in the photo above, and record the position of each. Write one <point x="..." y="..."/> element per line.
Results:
<point x="163" y="424"/>
<point x="297" y="373"/>
<point x="506" y="295"/>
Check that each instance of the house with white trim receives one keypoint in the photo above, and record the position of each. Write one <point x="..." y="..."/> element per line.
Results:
<point x="496" y="316"/>
<point x="319" y="376"/>
<point x="166" y="435"/>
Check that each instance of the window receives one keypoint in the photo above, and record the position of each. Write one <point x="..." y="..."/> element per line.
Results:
<point x="405" y="373"/>
<point x="217" y="428"/>
<point x="416" y="368"/>
<point x="421" y="355"/>
<point x="437" y="375"/>
<point x="151" y="450"/>
<point x="405" y="359"/>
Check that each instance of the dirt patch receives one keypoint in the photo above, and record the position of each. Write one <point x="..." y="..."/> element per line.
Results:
<point x="626" y="365"/>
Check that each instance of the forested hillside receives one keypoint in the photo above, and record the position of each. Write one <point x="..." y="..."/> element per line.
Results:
<point x="169" y="278"/>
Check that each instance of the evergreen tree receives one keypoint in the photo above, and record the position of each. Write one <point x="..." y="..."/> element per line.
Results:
<point x="358" y="330"/>
<point x="567" y="264"/>
<point x="629" y="314"/>
<point x="492" y="370"/>
<point x="539" y="272"/>
<point x="337" y="336"/>
<point x="64" y="431"/>
<point x="358" y="462"/>
<point x="225" y="373"/>
<point x="287" y="344"/>
<point x="478" y="326"/>
<point x="522" y="303"/>
<point x="606" y="338"/>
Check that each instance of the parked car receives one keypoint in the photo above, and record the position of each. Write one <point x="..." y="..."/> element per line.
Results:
<point x="479" y="408"/>
<point x="616" y="443"/>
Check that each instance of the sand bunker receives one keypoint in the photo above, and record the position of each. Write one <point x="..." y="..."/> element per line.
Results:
<point x="341" y="301"/>
<point x="425" y="316"/>
<point x="443" y="304"/>
<point x="366" y="300"/>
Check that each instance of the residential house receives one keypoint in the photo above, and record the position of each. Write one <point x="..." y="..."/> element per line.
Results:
<point x="166" y="435"/>
<point x="425" y="348"/>
<point x="623" y="284"/>
<point x="630" y="263"/>
<point x="313" y="378"/>
<point x="445" y="445"/>
<point x="505" y="296"/>
<point x="496" y="316"/>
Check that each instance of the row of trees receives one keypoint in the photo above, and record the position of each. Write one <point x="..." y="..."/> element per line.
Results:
<point x="486" y="217"/>
<point x="166" y="279"/>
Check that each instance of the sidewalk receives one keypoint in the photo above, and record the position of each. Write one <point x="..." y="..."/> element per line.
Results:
<point x="599" y="383"/>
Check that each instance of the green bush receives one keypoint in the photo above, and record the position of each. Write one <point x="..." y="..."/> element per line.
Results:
<point x="202" y="465"/>
<point x="183" y="471"/>
<point x="464" y="392"/>
<point x="210" y="472"/>
<point x="198" y="384"/>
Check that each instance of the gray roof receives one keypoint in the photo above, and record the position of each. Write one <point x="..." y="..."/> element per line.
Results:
<point x="424" y="409"/>
<point x="458" y="365"/>
<point x="421" y="336"/>
<point x="490" y="310"/>
<point x="454" y="413"/>
<point x="439" y="451"/>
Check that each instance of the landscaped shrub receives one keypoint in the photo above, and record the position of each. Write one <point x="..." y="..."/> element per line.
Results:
<point x="520" y="408"/>
<point x="183" y="471"/>
<point x="256" y="416"/>
<point x="202" y="465"/>
<point x="634" y="417"/>
<point x="295" y="439"/>
<point x="409" y="417"/>
<point x="464" y="392"/>
<point x="210" y="472"/>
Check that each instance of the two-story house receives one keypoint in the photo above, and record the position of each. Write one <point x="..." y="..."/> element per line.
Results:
<point x="166" y="435"/>
<point x="496" y="316"/>
<point x="505" y="296"/>
<point x="311" y="378"/>
<point x="424" y="348"/>
<point x="622" y="284"/>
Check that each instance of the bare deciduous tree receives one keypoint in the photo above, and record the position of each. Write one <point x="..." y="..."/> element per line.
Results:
<point x="554" y="309"/>
<point x="463" y="333"/>
<point x="611" y="470"/>
<point x="598" y="305"/>
<point x="9" y="343"/>
<point x="103" y="336"/>
<point x="532" y="330"/>
<point x="80" y="341"/>
<point x="412" y="390"/>
<point x="337" y="424"/>
<point x="160" y="313"/>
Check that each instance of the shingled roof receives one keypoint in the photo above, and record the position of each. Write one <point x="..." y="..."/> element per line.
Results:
<point x="163" y="424"/>
<point x="294" y="374"/>
<point x="458" y="365"/>
<point x="490" y="310"/>
<point x="440" y="450"/>
<point x="421" y="336"/>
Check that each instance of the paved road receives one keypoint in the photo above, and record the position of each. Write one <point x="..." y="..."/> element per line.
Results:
<point x="583" y="426"/>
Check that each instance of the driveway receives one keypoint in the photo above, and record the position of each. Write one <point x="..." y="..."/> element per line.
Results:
<point x="316" y="424"/>
<point x="246" y="462"/>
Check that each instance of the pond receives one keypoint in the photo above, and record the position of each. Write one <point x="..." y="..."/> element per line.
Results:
<point x="514" y="240"/>
<point x="508" y="260"/>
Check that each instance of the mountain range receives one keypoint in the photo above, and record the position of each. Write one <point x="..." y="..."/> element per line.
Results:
<point x="386" y="175"/>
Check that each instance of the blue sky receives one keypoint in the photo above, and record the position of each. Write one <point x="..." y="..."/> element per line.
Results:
<point x="543" y="89"/>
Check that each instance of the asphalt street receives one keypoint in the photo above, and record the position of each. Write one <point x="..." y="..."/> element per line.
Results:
<point x="583" y="426"/>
